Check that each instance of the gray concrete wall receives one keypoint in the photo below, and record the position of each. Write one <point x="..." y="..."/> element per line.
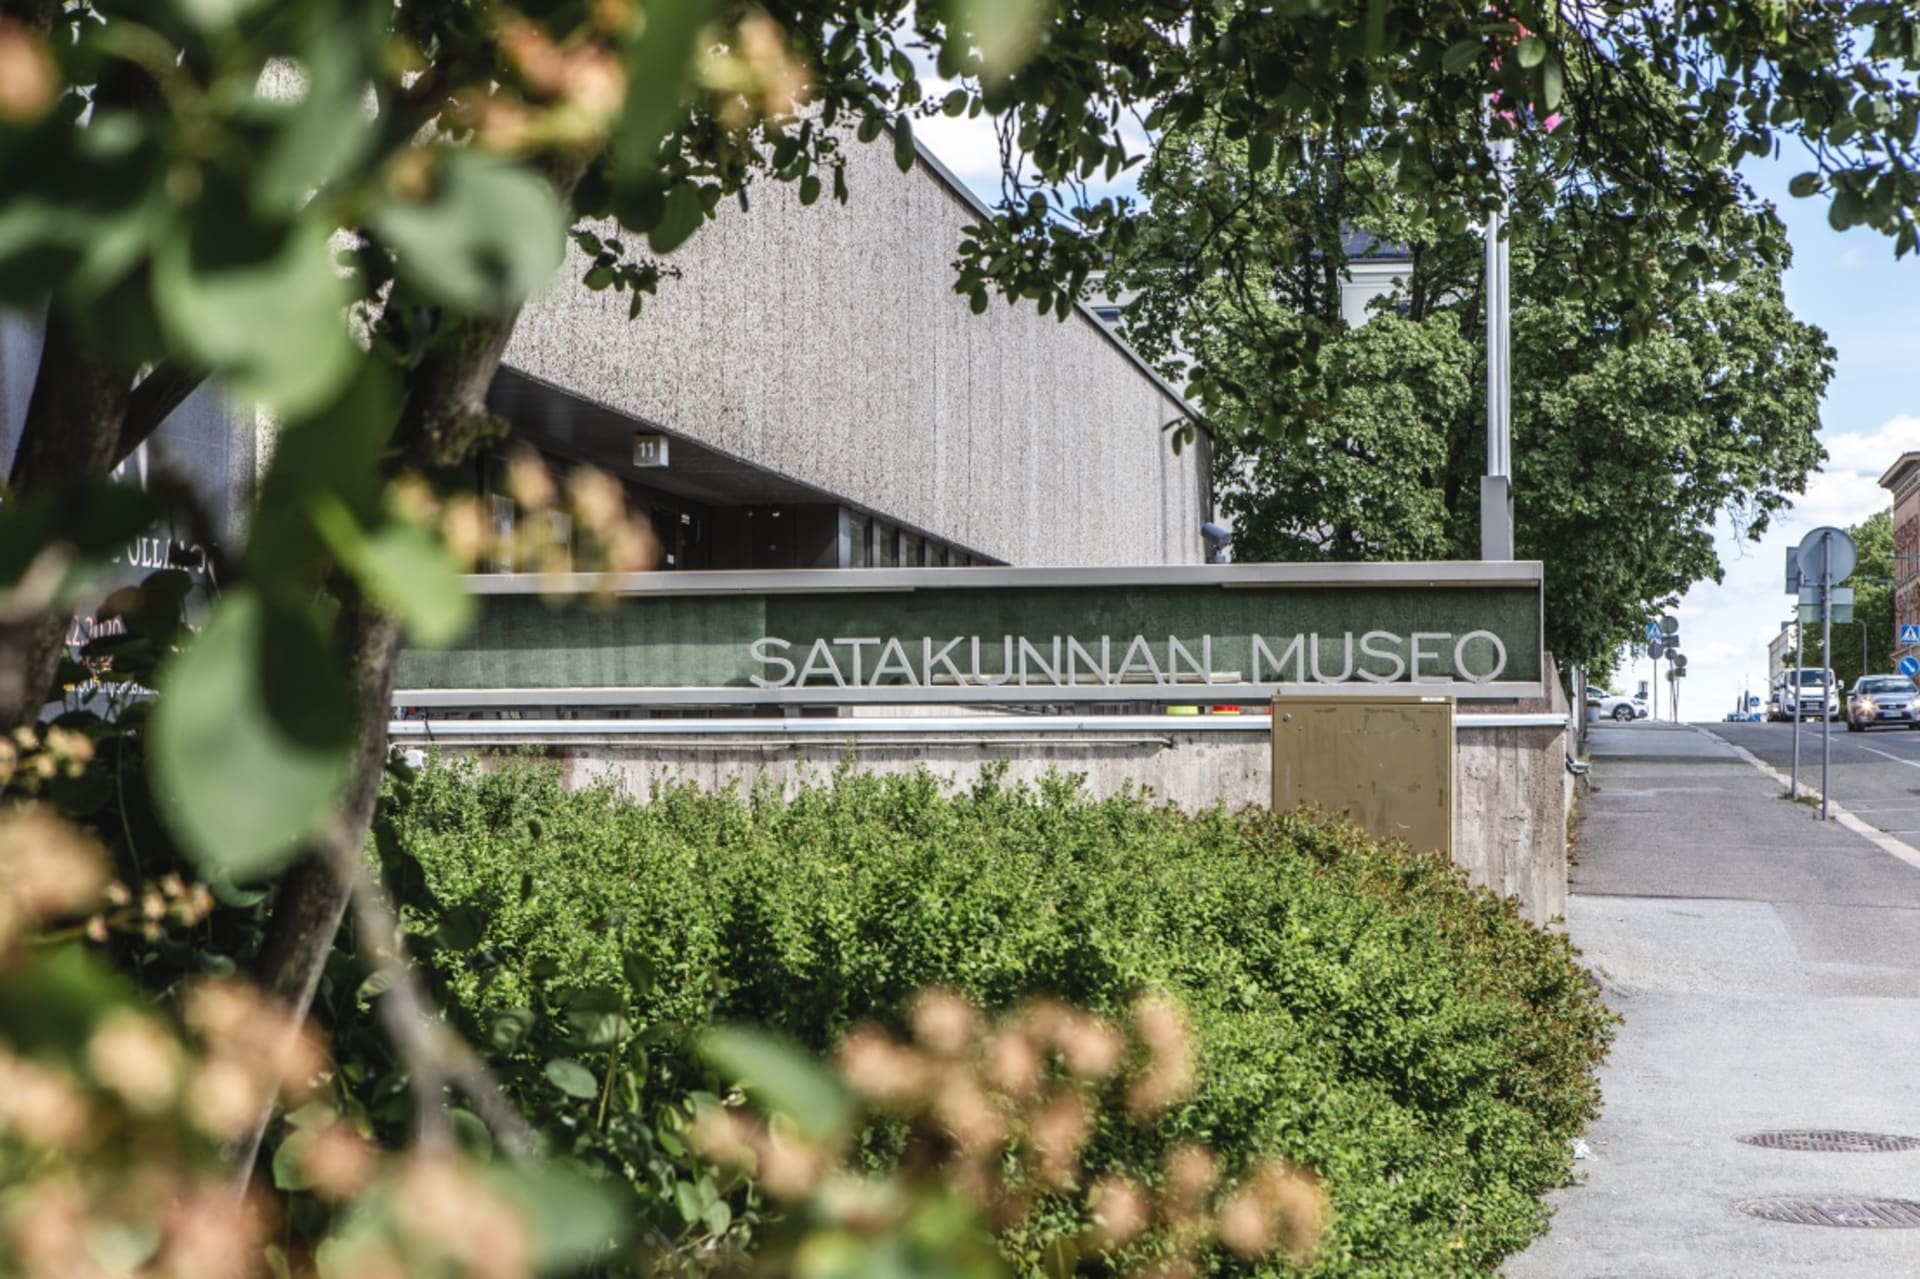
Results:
<point x="826" y="343"/>
<point x="1510" y="801"/>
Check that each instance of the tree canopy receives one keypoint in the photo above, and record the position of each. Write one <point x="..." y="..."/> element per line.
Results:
<point x="1638" y="420"/>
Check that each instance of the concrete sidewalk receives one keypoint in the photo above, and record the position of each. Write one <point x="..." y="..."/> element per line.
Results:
<point x="1768" y="968"/>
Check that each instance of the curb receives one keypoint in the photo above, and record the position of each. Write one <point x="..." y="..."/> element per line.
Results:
<point x="1872" y="834"/>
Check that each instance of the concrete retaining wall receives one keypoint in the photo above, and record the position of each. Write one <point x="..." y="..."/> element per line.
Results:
<point x="1510" y="805"/>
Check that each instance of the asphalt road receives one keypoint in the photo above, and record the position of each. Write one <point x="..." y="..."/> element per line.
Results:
<point x="1875" y="774"/>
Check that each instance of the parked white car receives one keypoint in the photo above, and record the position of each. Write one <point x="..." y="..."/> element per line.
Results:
<point x="1612" y="706"/>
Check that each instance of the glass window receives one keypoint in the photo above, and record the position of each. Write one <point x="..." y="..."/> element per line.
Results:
<point x="859" y="547"/>
<point x="886" y="546"/>
<point x="936" y="554"/>
<point x="500" y="517"/>
<point x="910" y="550"/>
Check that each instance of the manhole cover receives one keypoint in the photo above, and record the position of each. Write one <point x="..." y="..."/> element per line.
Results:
<point x="1827" y="1139"/>
<point x="1870" y="1214"/>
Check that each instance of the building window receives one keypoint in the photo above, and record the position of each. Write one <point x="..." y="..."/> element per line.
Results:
<point x="500" y="517"/>
<point x="886" y="545"/>
<point x="910" y="551"/>
<point x="859" y="544"/>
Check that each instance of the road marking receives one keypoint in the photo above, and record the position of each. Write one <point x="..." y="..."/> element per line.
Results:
<point x="1886" y="755"/>
<point x="1872" y="834"/>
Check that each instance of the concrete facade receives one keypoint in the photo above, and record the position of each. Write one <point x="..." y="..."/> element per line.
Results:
<point x="826" y="344"/>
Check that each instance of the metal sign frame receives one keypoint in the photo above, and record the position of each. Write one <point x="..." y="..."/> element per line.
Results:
<point x="1451" y="575"/>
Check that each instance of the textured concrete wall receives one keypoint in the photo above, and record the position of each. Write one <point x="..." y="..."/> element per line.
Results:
<point x="1510" y="815"/>
<point x="1510" y="808"/>
<point x="827" y="344"/>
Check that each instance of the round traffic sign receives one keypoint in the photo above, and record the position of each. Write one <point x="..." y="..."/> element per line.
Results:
<point x="1811" y="548"/>
<point x="1909" y="666"/>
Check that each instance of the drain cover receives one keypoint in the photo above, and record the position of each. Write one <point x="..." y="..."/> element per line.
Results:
<point x="1870" y="1214"/>
<point x="1826" y="1139"/>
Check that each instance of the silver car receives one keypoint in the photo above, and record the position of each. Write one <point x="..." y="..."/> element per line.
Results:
<point x="1883" y="701"/>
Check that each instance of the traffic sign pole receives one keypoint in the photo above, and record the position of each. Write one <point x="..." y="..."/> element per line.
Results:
<point x="1799" y="660"/>
<point x="1826" y="674"/>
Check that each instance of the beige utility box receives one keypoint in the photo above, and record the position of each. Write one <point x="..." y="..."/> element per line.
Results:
<point x="1385" y="763"/>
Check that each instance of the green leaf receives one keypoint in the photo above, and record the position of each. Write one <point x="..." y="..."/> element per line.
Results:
<point x="680" y="216"/>
<point x="510" y="1026"/>
<point x="1460" y="57"/>
<point x="717" y="1216"/>
<point x="597" y="1018"/>
<point x="315" y="1114"/>
<point x="809" y="189"/>
<point x="251" y="737"/>
<point x="407" y="570"/>
<point x="215" y="15"/>
<point x="903" y="152"/>
<point x="1006" y="32"/>
<point x="287" y="1172"/>
<point x="491" y="234"/>
<point x="1532" y="51"/>
<point x="461" y="928"/>
<point x="326" y="132"/>
<point x="1847" y="210"/>
<point x="658" y="59"/>
<point x="472" y="1132"/>
<point x="577" y="1220"/>
<point x="687" y="1199"/>
<point x="782" y="1077"/>
<point x="573" y="1079"/>
<point x="1553" y="83"/>
<point x="1804" y="185"/>
<point x="82" y="206"/>
<point x="257" y="303"/>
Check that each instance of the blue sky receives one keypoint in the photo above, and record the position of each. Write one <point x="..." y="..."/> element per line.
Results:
<point x="1846" y="283"/>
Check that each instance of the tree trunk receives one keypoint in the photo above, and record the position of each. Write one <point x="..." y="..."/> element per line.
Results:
<point x="71" y="433"/>
<point x="313" y="896"/>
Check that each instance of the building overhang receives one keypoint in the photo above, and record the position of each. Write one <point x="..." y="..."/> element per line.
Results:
<point x="564" y="425"/>
<point x="1902" y="474"/>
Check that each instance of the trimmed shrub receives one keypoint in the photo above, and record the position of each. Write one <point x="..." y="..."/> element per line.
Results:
<point x="1359" y="1009"/>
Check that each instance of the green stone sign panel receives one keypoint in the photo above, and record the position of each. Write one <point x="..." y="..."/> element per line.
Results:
<point x="949" y="636"/>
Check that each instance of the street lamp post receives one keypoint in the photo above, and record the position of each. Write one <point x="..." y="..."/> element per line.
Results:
<point x="1496" y="486"/>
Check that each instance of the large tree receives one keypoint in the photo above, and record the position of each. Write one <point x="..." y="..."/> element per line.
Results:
<point x="1639" y="419"/>
<point x="180" y="175"/>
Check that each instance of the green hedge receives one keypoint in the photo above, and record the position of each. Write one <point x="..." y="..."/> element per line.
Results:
<point x="1359" y="1009"/>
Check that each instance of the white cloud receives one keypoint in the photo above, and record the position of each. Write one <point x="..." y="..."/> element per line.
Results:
<point x="1872" y="452"/>
<point x="1841" y="497"/>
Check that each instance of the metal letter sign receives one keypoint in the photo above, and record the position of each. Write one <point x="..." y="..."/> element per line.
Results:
<point x="1909" y="634"/>
<point x="1909" y="666"/>
<point x="943" y="636"/>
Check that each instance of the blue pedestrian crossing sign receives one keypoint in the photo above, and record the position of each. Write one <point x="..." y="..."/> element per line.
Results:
<point x="1909" y="633"/>
<point x="1655" y="634"/>
<point x="1909" y="666"/>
